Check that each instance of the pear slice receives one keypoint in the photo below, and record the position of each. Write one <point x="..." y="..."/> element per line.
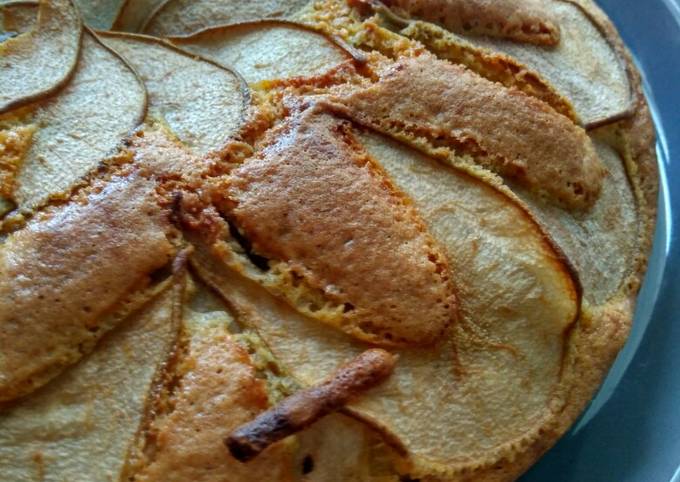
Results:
<point x="609" y="228"/>
<point x="53" y="44"/>
<point x="99" y="14"/>
<point x="488" y="388"/>
<point x="182" y="17"/>
<point x="134" y="14"/>
<point x="215" y="388"/>
<point x="67" y="277"/>
<point x="81" y="126"/>
<point x="268" y="49"/>
<point x="17" y="17"/>
<point x="93" y="411"/>
<point x="518" y="20"/>
<point x="447" y="45"/>
<point x="202" y="103"/>
<point x="428" y="100"/>
<point x="334" y="237"/>
<point x="586" y="67"/>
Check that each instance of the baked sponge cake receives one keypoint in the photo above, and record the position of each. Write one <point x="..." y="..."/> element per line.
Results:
<point x="325" y="241"/>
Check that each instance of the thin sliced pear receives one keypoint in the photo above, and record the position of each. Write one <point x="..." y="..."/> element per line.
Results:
<point x="585" y="67"/>
<point x="216" y="388"/>
<point x="335" y="448"/>
<point x="182" y="17"/>
<point x="53" y="45"/>
<point x="99" y="14"/>
<point x="67" y="276"/>
<point x="93" y="411"/>
<point x="602" y="241"/>
<point x="267" y="49"/>
<point x="134" y="14"/>
<point x="17" y="17"/>
<point x="342" y="244"/>
<point x="447" y="45"/>
<point x="517" y="20"/>
<point x="81" y="126"/>
<point x="202" y="103"/>
<point x="491" y="381"/>
<point x="425" y="99"/>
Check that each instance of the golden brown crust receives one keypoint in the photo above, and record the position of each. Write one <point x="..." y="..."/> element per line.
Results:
<point x="494" y="66"/>
<point x="67" y="270"/>
<point x="591" y="344"/>
<point x="305" y="407"/>
<point x="14" y="144"/>
<point x="449" y="105"/>
<point x="313" y="199"/>
<point x="602" y="330"/>
<point x="217" y="389"/>
<point x="520" y="20"/>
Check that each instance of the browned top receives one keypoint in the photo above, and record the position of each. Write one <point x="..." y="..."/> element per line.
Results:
<point x="217" y="392"/>
<point x="509" y="132"/>
<point x="62" y="273"/>
<point x="158" y="155"/>
<point x="522" y="20"/>
<point x="305" y="407"/>
<point x="13" y="146"/>
<point x="314" y="199"/>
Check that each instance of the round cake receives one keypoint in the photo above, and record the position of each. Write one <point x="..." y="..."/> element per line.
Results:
<point x="312" y="241"/>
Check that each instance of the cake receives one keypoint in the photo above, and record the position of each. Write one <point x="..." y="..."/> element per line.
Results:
<point x="325" y="241"/>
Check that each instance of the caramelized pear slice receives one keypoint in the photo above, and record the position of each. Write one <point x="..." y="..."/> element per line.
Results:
<point x="267" y="50"/>
<point x="68" y="275"/>
<point x="447" y="45"/>
<point x="216" y="388"/>
<point x="448" y="105"/>
<point x="518" y="20"/>
<point x="202" y="103"/>
<point x="17" y="17"/>
<point x="339" y="241"/>
<point x="81" y="126"/>
<point x="182" y="17"/>
<point x="99" y="14"/>
<point x="53" y="44"/>
<point x="94" y="410"/>
<point x="602" y="241"/>
<point x="487" y="389"/>
<point x="586" y="67"/>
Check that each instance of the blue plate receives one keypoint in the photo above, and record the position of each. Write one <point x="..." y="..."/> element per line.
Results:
<point x="631" y="431"/>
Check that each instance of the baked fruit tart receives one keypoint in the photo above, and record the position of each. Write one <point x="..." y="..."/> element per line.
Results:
<point x="326" y="241"/>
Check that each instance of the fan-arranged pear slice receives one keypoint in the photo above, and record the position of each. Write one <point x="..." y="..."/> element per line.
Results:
<point x="268" y="49"/>
<point x="70" y="274"/>
<point x="17" y="17"/>
<point x="586" y="66"/>
<point x="215" y="387"/>
<point x="201" y="102"/>
<point x="516" y="20"/>
<point x="94" y="411"/>
<point x="53" y="45"/>
<point x="490" y="385"/>
<point x="326" y="230"/>
<point x="99" y="14"/>
<point x="77" y="129"/>
<point x="601" y="242"/>
<point x="447" y="45"/>
<point x="449" y="106"/>
<point x="182" y="17"/>
<point x="134" y="14"/>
